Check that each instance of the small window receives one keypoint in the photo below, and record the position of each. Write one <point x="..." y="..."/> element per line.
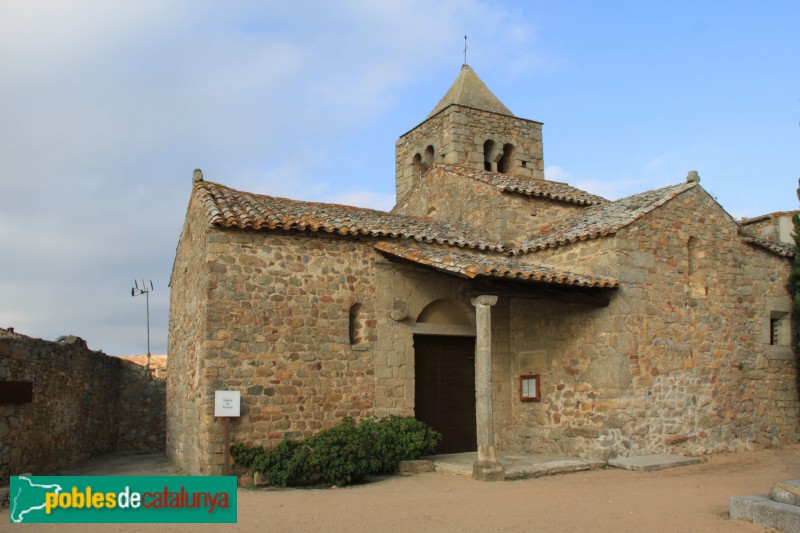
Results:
<point x="529" y="388"/>
<point x="356" y="325"/>
<point x="779" y="330"/>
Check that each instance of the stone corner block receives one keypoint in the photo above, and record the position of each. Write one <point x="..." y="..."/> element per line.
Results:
<point x="488" y="471"/>
<point x="741" y="507"/>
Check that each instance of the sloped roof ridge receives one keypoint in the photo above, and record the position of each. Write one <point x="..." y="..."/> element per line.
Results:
<point x="469" y="90"/>
<point x="554" y="190"/>
<point x="600" y="220"/>
<point x="229" y="208"/>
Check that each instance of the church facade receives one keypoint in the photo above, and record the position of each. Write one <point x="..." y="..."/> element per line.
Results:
<point x="507" y="311"/>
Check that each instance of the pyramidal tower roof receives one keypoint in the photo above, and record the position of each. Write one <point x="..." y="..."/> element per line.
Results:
<point x="470" y="91"/>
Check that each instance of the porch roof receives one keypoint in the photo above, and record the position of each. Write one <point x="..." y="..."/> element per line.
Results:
<point x="495" y="266"/>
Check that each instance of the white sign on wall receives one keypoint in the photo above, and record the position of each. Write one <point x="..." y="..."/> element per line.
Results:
<point x="226" y="403"/>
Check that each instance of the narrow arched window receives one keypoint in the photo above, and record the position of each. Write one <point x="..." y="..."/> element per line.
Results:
<point x="356" y="324"/>
<point x="417" y="168"/>
<point x="488" y="154"/>
<point x="429" y="157"/>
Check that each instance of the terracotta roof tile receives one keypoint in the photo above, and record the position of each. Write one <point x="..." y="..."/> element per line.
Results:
<point x="779" y="248"/>
<point x="767" y="216"/>
<point x="473" y="265"/>
<point x="230" y="208"/>
<point x="553" y="190"/>
<point x="600" y="220"/>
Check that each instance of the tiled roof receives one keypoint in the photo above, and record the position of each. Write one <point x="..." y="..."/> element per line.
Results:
<point x="779" y="248"/>
<point x="472" y="265"/>
<point x="753" y="220"/>
<point x="600" y="220"/>
<point x="553" y="190"/>
<point x="768" y="216"/>
<point x="230" y="208"/>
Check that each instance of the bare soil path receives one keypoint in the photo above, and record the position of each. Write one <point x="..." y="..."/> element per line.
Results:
<point x="691" y="498"/>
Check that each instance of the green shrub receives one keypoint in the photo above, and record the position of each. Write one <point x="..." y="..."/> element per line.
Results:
<point x="396" y="439"/>
<point x="285" y="464"/>
<point x="341" y="455"/>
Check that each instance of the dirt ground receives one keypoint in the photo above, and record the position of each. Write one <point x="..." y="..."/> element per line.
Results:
<point x="690" y="498"/>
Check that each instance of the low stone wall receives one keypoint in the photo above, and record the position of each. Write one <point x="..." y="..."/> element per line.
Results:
<point x="84" y="404"/>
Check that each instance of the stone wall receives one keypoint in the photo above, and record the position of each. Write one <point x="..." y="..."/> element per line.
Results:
<point x="85" y="403"/>
<point x="679" y="362"/>
<point x="272" y="316"/>
<point x="445" y="194"/>
<point x="458" y="134"/>
<point x="187" y="318"/>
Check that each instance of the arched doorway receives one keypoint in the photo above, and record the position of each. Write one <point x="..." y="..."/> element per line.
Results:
<point x="445" y="378"/>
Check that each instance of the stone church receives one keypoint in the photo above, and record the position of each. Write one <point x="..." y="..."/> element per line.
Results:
<point x="507" y="311"/>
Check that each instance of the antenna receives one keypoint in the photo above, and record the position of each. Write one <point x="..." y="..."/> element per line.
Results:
<point x="465" y="49"/>
<point x="136" y="291"/>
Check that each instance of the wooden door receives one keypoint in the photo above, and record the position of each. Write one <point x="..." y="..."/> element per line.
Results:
<point x="445" y="389"/>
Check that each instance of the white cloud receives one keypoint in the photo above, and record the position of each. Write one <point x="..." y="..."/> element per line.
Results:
<point x="556" y="173"/>
<point x="368" y="199"/>
<point x="107" y="106"/>
<point x="609" y="189"/>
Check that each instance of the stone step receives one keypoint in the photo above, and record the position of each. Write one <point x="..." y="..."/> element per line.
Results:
<point x="415" y="466"/>
<point x="658" y="461"/>
<point x="780" y="509"/>
<point x="765" y="512"/>
<point x="517" y="466"/>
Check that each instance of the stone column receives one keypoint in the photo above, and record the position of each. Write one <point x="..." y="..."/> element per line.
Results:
<point x="487" y="467"/>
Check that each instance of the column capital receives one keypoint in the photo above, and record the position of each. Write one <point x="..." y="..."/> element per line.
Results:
<point x="484" y="299"/>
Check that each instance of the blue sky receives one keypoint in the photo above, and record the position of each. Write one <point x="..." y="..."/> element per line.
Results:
<point x="106" y="107"/>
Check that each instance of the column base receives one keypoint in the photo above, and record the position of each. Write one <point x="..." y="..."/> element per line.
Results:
<point x="488" y="471"/>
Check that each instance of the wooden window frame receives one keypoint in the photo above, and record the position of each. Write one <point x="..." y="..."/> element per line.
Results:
<point x="536" y="378"/>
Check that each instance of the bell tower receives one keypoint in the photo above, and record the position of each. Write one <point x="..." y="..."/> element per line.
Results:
<point x="470" y="127"/>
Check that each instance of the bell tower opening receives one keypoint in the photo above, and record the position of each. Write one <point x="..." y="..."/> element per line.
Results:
<point x="488" y="152"/>
<point x="504" y="164"/>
